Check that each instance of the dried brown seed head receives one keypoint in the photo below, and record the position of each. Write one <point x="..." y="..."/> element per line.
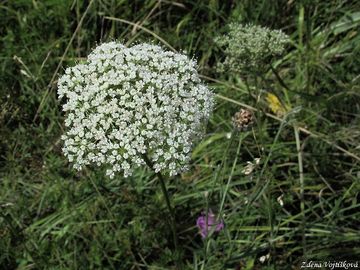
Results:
<point x="243" y="119"/>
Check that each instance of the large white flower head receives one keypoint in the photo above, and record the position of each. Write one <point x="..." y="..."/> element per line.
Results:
<point x="124" y="103"/>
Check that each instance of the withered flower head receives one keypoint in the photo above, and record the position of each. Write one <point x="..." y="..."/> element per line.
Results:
<point x="243" y="119"/>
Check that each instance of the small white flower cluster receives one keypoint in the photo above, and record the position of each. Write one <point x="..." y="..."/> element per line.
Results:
<point x="249" y="47"/>
<point x="250" y="167"/>
<point x="123" y="103"/>
<point x="264" y="258"/>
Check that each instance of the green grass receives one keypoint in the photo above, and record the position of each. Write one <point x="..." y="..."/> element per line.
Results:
<point x="52" y="217"/>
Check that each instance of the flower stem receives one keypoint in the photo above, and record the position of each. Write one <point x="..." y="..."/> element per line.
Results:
<point x="301" y="179"/>
<point x="167" y="200"/>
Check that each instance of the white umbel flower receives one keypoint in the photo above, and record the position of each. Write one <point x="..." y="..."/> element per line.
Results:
<point x="124" y="102"/>
<point x="249" y="47"/>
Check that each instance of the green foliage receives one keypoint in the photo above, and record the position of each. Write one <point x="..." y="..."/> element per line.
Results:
<point x="291" y="206"/>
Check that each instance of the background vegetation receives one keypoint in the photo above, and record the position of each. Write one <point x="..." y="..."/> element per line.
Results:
<point x="300" y="202"/>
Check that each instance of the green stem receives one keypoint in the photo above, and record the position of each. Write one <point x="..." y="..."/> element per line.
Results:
<point x="301" y="180"/>
<point x="283" y="84"/>
<point x="167" y="200"/>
